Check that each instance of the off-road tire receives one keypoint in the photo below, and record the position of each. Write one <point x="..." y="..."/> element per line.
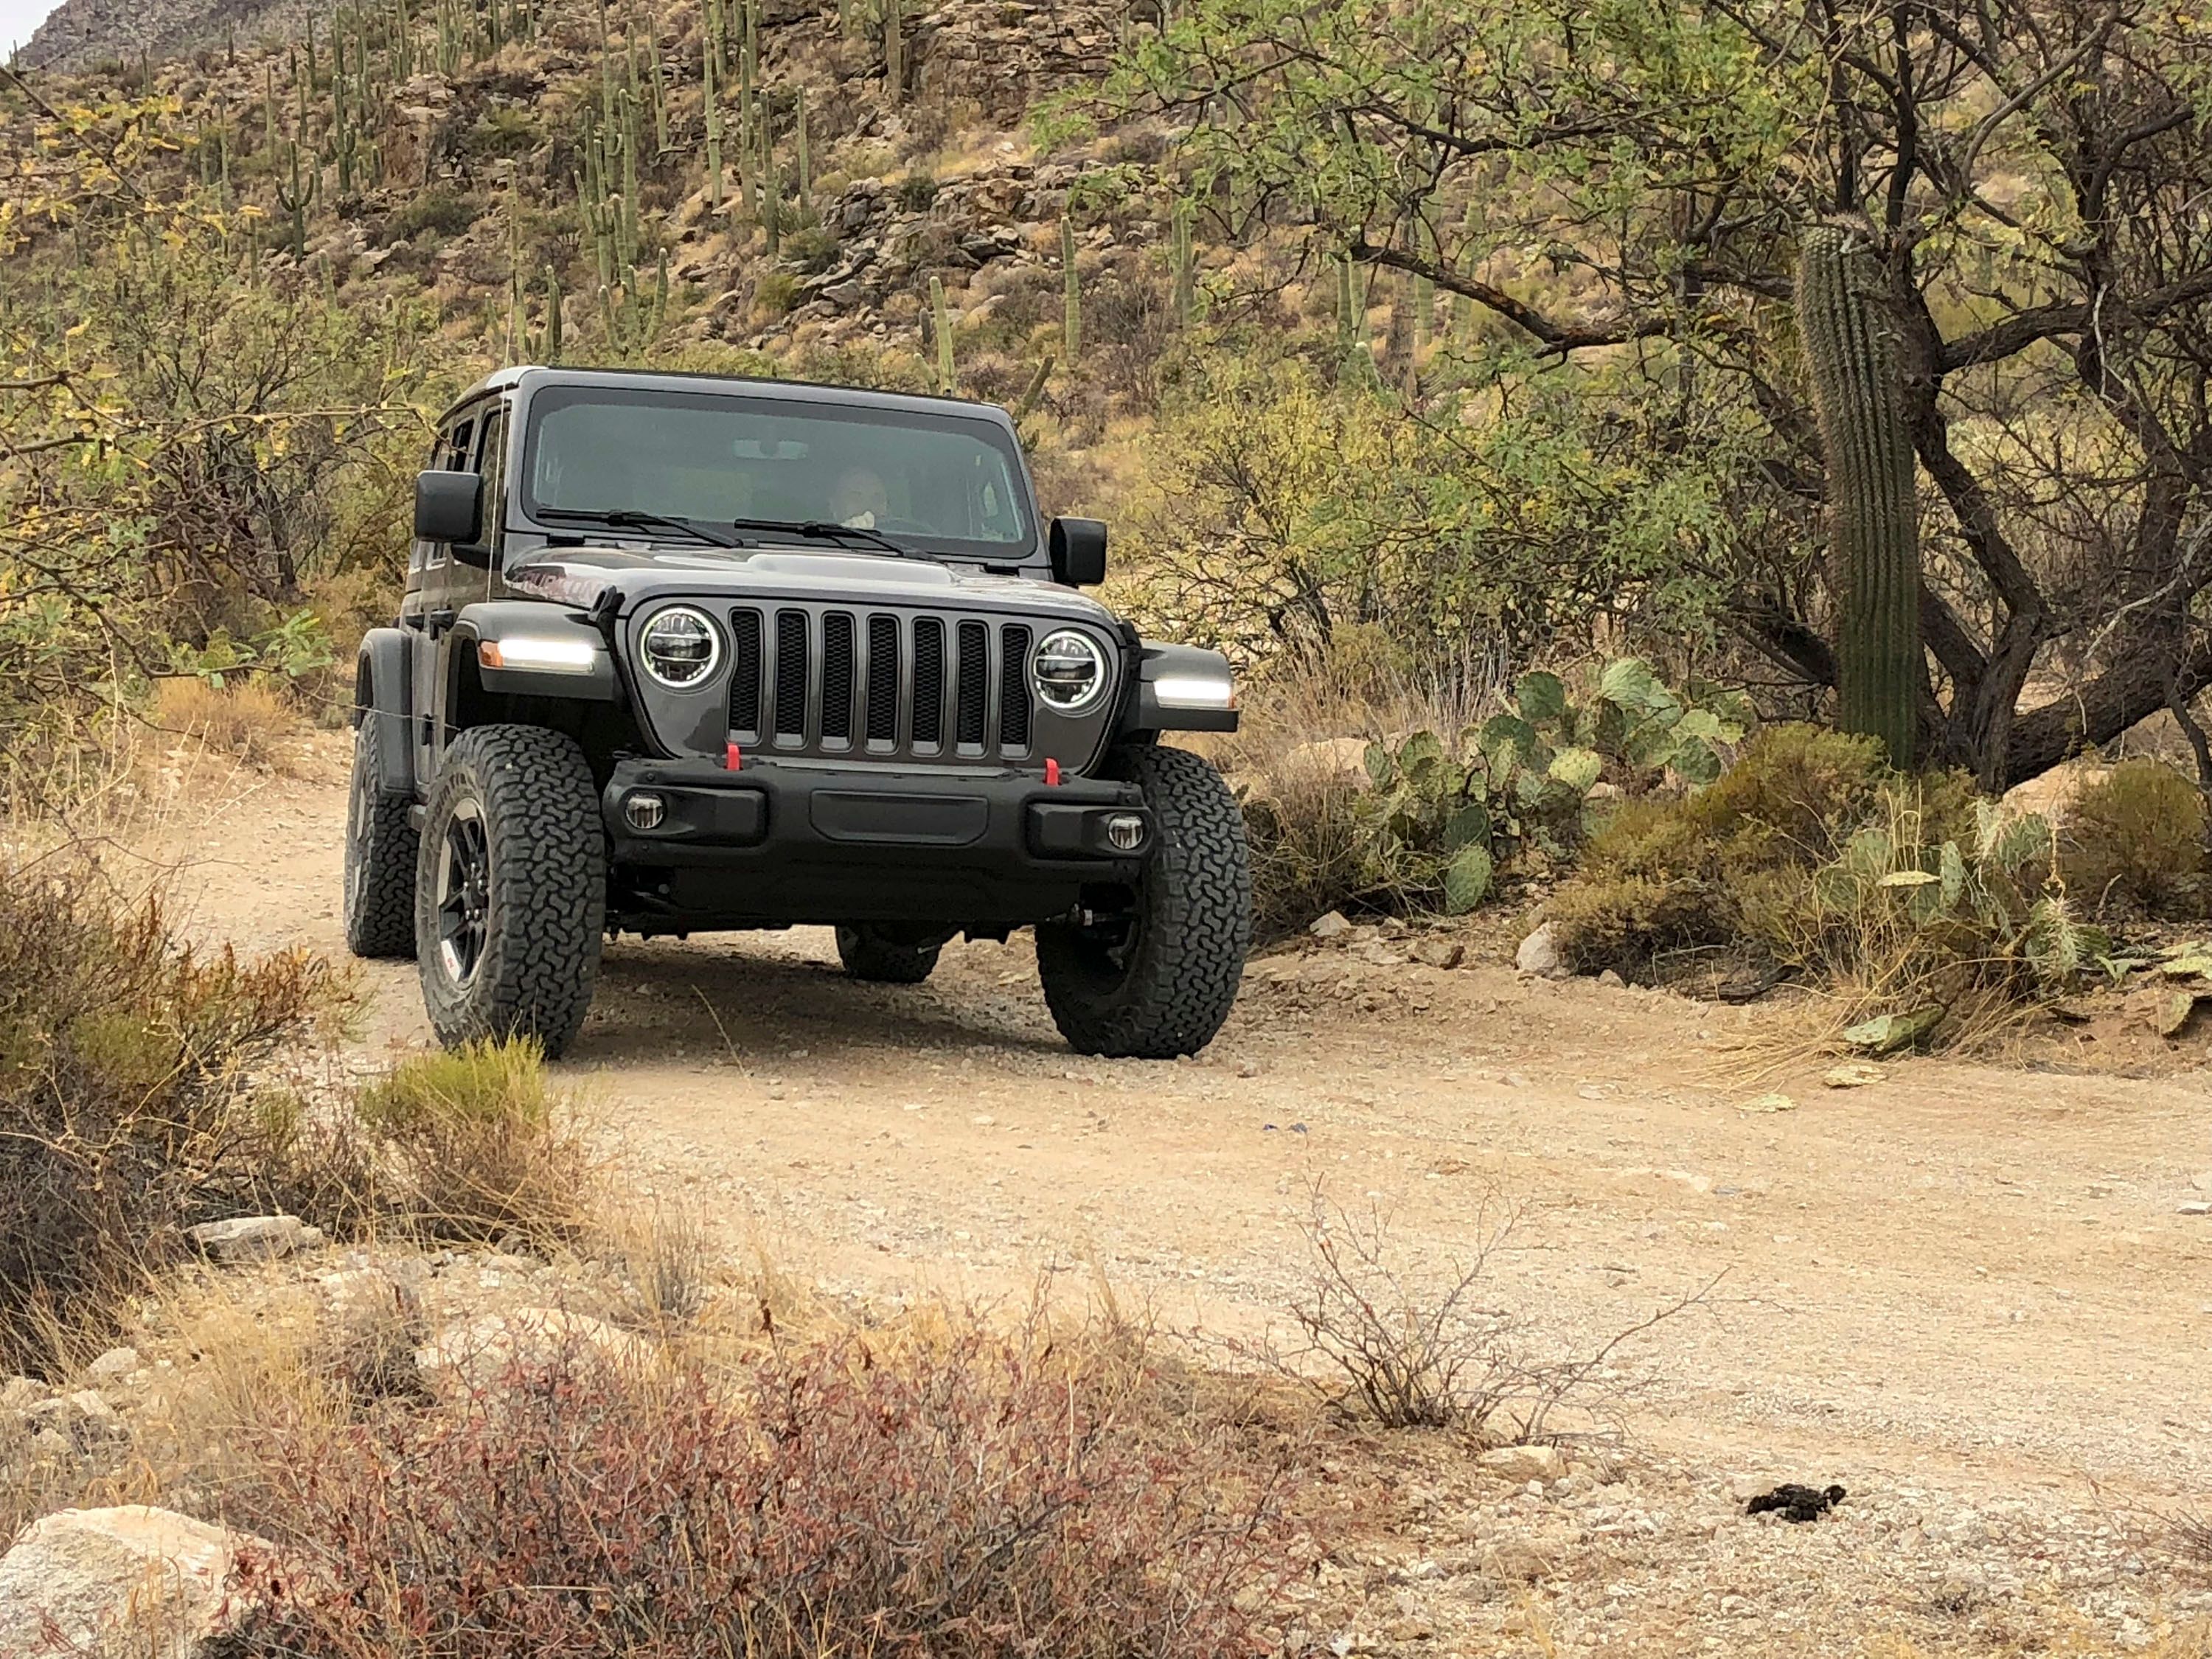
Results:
<point x="530" y="795"/>
<point x="869" y="955"/>
<point x="380" y="855"/>
<point x="1178" y="976"/>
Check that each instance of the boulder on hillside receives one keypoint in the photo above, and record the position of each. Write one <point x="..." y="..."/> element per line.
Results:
<point x="134" y="1580"/>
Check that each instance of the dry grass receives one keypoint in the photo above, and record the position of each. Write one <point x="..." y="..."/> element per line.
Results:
<point x="1297" y="764"/>
<point x="246" y="718"/>
<point x="126" y="1061"/>
<point x="476" y="1143"/>
<point x="665" y="1265"/>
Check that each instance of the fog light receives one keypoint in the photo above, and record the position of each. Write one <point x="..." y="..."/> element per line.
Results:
<point x="645" y="811"/>
<point x="1125" y="830"/>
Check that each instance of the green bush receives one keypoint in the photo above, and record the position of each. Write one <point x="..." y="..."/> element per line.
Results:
<point x="2137" y="840"/>
<point x="775" y="293"/>
<point x="478" y="1144"/>
<point x="1811" y="855"/>
<point x="438" y="208"/>
<point x="1439" y="819"/>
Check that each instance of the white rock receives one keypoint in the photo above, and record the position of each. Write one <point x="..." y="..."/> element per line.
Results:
<point x="1524" y="1463"/>
<point x="1611" y="979"/>
<point x="20" y="1394"/>
<point x="114" y="1364"/>
<point x="1539" y="955"/>
<point x="527" y="1342"/>
<point x="1332" y="926"/>
<point x="250" y="1238"/>
<point x="133" y="1580"/>
<point x="2197" y="1209"/>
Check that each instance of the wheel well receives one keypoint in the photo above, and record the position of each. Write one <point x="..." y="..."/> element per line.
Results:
<point x="602" y="729"/>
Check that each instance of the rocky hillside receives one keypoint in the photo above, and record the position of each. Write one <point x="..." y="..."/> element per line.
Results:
<point x="507" y="175"/>
<point x="81" y="34"/>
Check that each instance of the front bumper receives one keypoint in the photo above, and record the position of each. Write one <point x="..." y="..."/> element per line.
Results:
<point x="779" y="841"/>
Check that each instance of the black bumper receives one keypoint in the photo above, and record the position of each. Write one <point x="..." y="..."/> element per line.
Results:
<point x="777" y="843"/>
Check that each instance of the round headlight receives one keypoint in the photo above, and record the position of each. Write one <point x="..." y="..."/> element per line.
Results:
<point x="1070" y="670"/>
<point x="681" y="648"/>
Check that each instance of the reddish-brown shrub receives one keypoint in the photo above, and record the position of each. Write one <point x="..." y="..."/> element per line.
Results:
<point x="966" y="1496"/>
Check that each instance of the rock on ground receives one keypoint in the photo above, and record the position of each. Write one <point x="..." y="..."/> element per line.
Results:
<point x="1540" y="955"/>
<point x="142" y="1581"/>
<point x="1519" y="1464"/>
<point x="480" y="1352"/>
<point x="254" y="1238"/>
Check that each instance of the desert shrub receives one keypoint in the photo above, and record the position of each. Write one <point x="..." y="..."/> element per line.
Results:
<point x="960" y="1494"/>
<point x="813" y="248"/>
<point x="508" y="130"/>
<point x="2137" y="840"/>
<point x="1428" y="820"/>
<point x="916" y="192"/>
<point x="1390" y="1334"/>
<point x="440" y="209"/>
<point x="127" y="1108"/>
<point x="775" y="293"/>
<point x="1812" y="855"/>
<point x="476" y="1143"/>
<point x="246" y="717"/>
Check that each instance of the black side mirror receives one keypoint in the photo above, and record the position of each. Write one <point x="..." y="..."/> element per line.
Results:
<point x="449" y="507"/>
<point x="1078" y="552"/>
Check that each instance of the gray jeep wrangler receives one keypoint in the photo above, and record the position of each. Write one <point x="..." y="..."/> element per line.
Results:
<point x="681" y="654"/>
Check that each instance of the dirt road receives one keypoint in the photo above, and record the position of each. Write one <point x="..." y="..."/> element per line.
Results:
<point x="1976" y="1287"/>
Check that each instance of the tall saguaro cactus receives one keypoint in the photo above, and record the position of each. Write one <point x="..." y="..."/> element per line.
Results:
<point x="1874" y="518"/>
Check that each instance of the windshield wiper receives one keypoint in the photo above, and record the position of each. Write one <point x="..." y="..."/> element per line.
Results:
<point x="625" y="517"/>
<point x="816" y="530"/>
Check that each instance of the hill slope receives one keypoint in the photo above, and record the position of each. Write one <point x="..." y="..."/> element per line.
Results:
<point x="83" y="33"/>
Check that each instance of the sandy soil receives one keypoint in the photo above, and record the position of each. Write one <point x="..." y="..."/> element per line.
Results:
<point x="1971" y="1294"/>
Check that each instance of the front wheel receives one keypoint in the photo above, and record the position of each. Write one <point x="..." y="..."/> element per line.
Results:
<point x="1153" y="974"/>
<point x="511" y="888"/>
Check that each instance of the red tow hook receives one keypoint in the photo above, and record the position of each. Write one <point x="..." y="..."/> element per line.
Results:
<point x="733" y="759"/>
<point x="1052" y="773"/>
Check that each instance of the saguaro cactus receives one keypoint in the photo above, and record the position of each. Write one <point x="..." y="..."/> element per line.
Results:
<point x="1071" y="291"/>
<point x="1184" y="262"/>
<point x="1874" y="517"/>
<point x="940" y="325"/>
<point x="894" y="53"/>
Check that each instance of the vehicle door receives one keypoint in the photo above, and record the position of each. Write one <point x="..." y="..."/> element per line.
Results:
<point x="438" y="587"/>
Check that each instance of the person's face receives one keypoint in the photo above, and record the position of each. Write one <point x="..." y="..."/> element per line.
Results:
<point x="858" y="490"/>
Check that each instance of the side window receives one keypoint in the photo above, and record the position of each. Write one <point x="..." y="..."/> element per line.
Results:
<point x="452" y="455"/>
<point x="491" y="466"/>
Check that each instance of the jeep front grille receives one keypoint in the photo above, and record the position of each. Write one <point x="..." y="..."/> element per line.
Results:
<point x="821" y="680"/>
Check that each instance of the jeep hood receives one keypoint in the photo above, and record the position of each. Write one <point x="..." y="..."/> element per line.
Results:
<point x="580" y="576"/>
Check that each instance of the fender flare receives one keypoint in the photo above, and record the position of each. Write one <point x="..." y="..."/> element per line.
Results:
<point x="383" y="695"/>
<point x="1179" y="671"/>
<point x="493" y="621"/>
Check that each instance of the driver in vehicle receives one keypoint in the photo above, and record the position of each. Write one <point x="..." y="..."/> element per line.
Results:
<point x="858" y="499"/>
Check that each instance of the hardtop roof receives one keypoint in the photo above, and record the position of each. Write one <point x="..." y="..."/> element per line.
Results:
<point x="536" y="374"/>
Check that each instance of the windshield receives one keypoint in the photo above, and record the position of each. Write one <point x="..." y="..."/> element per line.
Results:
<point x="937" y="484"/>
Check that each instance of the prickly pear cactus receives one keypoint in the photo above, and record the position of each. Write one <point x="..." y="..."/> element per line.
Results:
<point x="1873" y="515"/>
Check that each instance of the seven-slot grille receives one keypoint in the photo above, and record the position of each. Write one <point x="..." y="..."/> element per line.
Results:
<point x="828" y="681"/>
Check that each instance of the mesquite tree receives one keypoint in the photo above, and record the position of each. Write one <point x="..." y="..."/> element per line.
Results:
<point x="1621" y="189"/>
